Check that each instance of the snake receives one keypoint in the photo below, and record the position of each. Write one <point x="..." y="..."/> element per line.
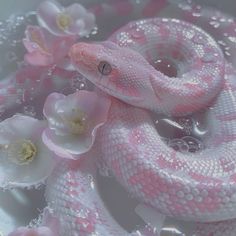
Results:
<point x="195" y="186"/>
<point x="128" y="75"/>
<point x="198" y="186"/>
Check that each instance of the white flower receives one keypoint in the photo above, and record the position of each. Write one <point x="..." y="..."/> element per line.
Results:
<point x="73" y="122"/>
<point x="73" y="20"/>
<point x="24" y="159"/>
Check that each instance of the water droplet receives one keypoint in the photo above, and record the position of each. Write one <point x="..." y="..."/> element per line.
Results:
<point x="232" y="39"/>
<point x="94" y="31"/>
<point x="215" y="24"/>
<point x="165" y="20"/>
<point x="29" y="110"/>
<point x="209" y="57"/>
<point x="198" y="39"/>
<point x="136" y="34"/>
<point x="187" y="124"/>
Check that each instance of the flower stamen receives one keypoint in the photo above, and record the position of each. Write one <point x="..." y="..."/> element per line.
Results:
<point x="78" y="122"/>
<point x="21" y="152"/>
<point x="63" y="21"/>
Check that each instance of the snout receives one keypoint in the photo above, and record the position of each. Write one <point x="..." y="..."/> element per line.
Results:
<point x="78" y="52"/>
<point x="84" y="52"/>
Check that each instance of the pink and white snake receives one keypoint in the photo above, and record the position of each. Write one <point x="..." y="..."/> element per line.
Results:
<point x="195" y="186"/>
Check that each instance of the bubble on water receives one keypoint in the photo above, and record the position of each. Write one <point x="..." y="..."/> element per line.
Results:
<point x="179" y="145"/>
<point x="82" y="86"/>
<point x="215" y="23"/>
<point x="29" y="110"/>
<point x="232" y="39"/>
<point x="94" y="31"/>
<point x="222" y="44"/>
<point x="194" y="144"/>
<point x="197" y="11"/>
<point x="78" y="83"/>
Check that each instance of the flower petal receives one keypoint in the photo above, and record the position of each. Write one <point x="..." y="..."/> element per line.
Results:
<point x="37" y="58"/>
<point x="44" y="231"/>
<point x="21" y="231"/>
<point x="73" y="20"/>
<point x="89" y="22"/>
<point x="35" y="38"/>
<point x="51" y="221"/>
<point x="49" y="140"/>
<point x="76" y="11"/>
<point x="77" y="27"/>
<point x="44" y="48"/>
<point x="47" y="14"/>
<point x="61" y="46"/>
<point x="84" y="21"/>
<point x="49" y="105"/>
<point x="50" y="112"/>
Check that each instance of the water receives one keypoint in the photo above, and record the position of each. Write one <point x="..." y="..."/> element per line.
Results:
<point x="185" y="134"/>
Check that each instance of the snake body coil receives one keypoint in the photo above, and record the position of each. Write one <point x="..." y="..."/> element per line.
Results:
<point x="195" y="186"/>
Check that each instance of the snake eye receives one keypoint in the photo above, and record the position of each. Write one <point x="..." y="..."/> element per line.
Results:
<point x="104" y="68"/>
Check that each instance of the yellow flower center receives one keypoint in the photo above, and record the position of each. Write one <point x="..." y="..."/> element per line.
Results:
<point x="63" y="21"/>
<point x="35" y="37"/>
<point x="21" y="152"/>
<point x="77" y="122"/>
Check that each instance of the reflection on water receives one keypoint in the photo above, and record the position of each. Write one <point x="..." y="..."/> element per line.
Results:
<point x="18" y="207"/>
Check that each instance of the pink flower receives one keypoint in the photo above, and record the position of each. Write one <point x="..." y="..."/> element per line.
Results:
<point x="50" y="227"/>
<point x="24" y="159"/>
<point x="73" y="122"/>
<point x="73" y="20"/>
<point x="44" y="48"/>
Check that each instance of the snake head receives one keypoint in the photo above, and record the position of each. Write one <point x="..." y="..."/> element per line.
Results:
<point x="108" y="66"/>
